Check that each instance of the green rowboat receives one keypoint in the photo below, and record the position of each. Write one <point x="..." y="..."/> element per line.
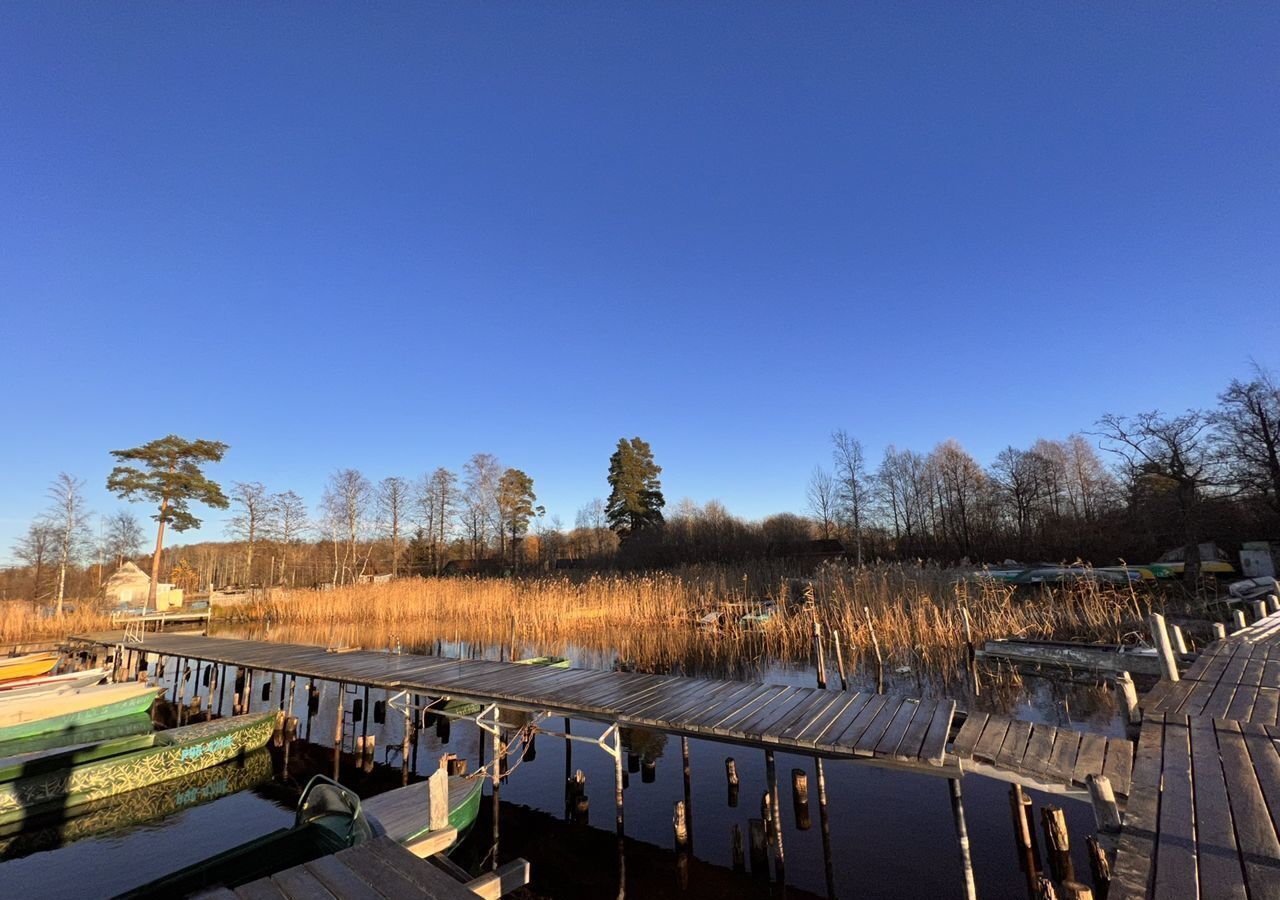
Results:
<point x="35" y="784"/>
<point x="24" y="717"/>
<point x="401" y="814"/>
<point x="124" y="726"/>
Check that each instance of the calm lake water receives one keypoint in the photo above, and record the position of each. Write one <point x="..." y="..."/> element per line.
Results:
<point x="892" y="832"/>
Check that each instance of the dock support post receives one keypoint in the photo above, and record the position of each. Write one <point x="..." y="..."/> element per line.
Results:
<point x="215" y="691"/>
<point x="616" y="752"/>
<point x="800" y="798"/>
<point x="825" y="825"/>
<point x="181" y="688"/>
<point x="404" y="743"/>
<point x="1238" y="617"/>
<point x="731" y="776"/>
<point x="962" y="837"/>
<point x="177" y="678"/>
<point x="821" y="662"/>
<point x="496" y="781"/>
<point x="293" y="687"/>
<point x="222" y="680"/>
<point x="1160" y="633"/>
<point x="688" y="786"/>
<point x="1179" y="640"/>
<point x="844" y="680"/>
<point x="337" y="733"/>
<point x="780" y="859"/>
<point x="1129" y="695"/>
<point x="1219" y="631"/>
<point x="1259" y="610"/>
<point x="311" y="699"/>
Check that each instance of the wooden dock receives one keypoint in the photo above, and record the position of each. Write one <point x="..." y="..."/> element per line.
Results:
<point x="377" y="870"/>
<point x="894" y="731"/>
<point x="1042" y="755"/>
<point x="1204" y="804"/>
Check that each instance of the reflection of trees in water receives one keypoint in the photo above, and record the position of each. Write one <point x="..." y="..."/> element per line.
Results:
<point x="644" y="743"/>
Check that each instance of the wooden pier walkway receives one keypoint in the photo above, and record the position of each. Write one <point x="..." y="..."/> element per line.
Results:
<point x="893" y="731"/>
<point x="1043" y="754"/>
<point x="377" y="870"/>
<point x="1204" y="805"/>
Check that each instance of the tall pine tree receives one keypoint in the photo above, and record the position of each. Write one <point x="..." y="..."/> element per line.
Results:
<point x="635" y="496"/>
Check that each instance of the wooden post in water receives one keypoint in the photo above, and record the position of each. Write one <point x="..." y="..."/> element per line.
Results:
<point x="758" y="843"/>
<point x="177" y="679"/>
<point x="800" y="798"/>
<point x="181" y="687"/>
<point x="311" y="702"/>
<point x="771" y="777"/>
<point x="1273" y="603"/>
<point x="1179" y="640"/>
<point x="962" y="837"/>
<point x="844" y="681"/>
<point x="215" y="690"/>
<point x="293" y="687"/>
<point x="339" y="722"/>
<point x="824" y="823"/>
<point x="1237" y="616"/>
<point x="497" y="778"/>
<point x="246" y="700"/>
<point x="1164" y="647"/>
<point x="680" y="826"/>
<point x="739" y="858"/>
<point x="1259" y="610"/>
<point x="1219" y="631"/>
<point x="404" y="745"/>
<point x="688" y="786"/>
<point x="618" y="780"/>
<point x="1129" y="696"/>
<point x="817" y="651"/>
<point x="731" y="776"/>
<point x="1058" y="843"/>
<point x="1099" y="866"/>
<point x="875" y="645"/>
<point x="1105" y="811"/>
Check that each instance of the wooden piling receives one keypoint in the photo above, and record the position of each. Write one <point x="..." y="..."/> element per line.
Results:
<point x="1219" y="631"/>
<point x="1105" y="810"/>
<point x="619" y="785"/>
<point x="1164" y="647"/>
<point x="1022" y="832"/>
<point x="1179" y="640"/>
<point x="800" y="798"/>
<point x="339" y="722"/>
<point x="214" y="691"/>
<point x="731" y="777"/>
<point x="1129" y="697"/>
<point x="835" y="640"/>
<point x="688" y="786"/>
<point x="771" y="778"/>
<point x="1057" y="843"/>
<point x="962" y="838"/>
<point x="821" y="662"/>
<point x="180" y="689"/>
<point x="739" y="858"/>
<point x="1099" y="867"/>
<point x="404" y="746"/>
<point x="680" y="825"/>
<point x="1259" y="610"/>
<point x="1273" y="603"/>
<point x="1237" y="616"/>
<point x="824" y="823"/>
<point x="312" y="701"/>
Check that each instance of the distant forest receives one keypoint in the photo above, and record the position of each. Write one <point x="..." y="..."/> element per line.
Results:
<point x="1128" y="489"/>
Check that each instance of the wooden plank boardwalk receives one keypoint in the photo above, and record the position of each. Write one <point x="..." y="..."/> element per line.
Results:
<point x="895" y="731"/>
<point x="1047" y="754"/>
<point x="1204" y="805"/>
<point x="377" y="870"/>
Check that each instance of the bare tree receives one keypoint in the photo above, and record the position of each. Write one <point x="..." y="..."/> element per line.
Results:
<point x="1247" y="440"/>
<point x="822" y="497"/>
<point x="255" y="520"/>
<point x="1168" y="454"/>
<point x="346" y="505"/>
<point x="291" y="526"/>
<point x="68" y="517"/>
<point x="123" y="537"/>
<point x="479" y="502"/>
<point x="437" y="505"/>
<point x="37" y="548"/>
<point x="593" y="522"/>
<point x="850" y="479"/>
<point x="393" y="498"/>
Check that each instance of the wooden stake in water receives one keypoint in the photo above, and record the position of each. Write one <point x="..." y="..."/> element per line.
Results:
<point x="825" y="824"/>
<point x="962" y="837"/>
<point x="1129" y="696"/>
<point x="817" y="650"/>
<point x="688" y="786"/>
<point x="844" y="681"/>
<point x="1164" y="647"/>
<point x="771" y="777"/>
<point x="339" y="721"/>
<point x="800" y="798"/>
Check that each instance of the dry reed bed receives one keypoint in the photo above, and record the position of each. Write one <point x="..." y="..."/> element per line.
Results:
<point x="19" y="623"/>
<point x="915" y="613"/>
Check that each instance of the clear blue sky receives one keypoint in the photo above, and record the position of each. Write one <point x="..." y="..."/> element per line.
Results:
<point x="390" y="235"/>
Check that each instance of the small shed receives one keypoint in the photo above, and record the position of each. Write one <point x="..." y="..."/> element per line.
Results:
<point x="128" y="587"/>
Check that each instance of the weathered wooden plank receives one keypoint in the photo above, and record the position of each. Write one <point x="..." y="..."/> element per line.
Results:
<point x="821" y="725"/>
<point x="1176" y="872"/>
<point x="855" y="728"/>
<point x="970" y="731"/>
<point x="933" y="751"/>
<point x="1039" y="749"/>
<point x="1135" y="855"/>
<point x="908" y="747"/>
<point x="1062" y="762"/>
<point x="341" y="881"/>
<point x="1014" y="746"/>
<point x="299" y="884"/>
<point x="992" y="739"/>
<point x="1091" y="756"/>
<point x="1217" y="855"/>
<point x="866" y="744"/>
<point x="1255" y="830"/>
<point x="1118" y="766"/>
<point x="897" y="728"/>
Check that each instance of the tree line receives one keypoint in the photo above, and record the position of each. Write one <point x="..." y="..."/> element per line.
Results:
<point x="1131" y="487"/>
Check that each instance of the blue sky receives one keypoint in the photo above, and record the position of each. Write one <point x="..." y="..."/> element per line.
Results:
<point x="388" y="236"/>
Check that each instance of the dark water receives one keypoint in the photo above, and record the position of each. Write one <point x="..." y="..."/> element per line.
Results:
<point x="892" y="832"/>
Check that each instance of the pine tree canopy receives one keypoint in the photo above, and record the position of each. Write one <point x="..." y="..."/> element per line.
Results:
<point x="169" y="475"/>
<point x="635" y="497"/>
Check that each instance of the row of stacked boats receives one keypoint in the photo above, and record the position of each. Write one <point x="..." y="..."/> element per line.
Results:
<point x="73" y="744"/>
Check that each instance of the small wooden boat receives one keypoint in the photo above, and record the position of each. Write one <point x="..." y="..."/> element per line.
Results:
<point x="403" y="814"/>
<point x="35" y="784"/>
<point x="330" y="818"/>
<point x="24" y="716"/>
<point x="67" y="681"/>
<point x="29" y="666"/>
<point x="147" y="804"/>
<point x="122" y="726"/>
